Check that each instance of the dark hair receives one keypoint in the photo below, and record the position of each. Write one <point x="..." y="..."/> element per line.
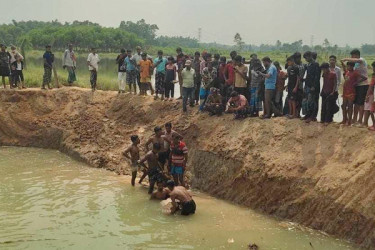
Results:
<point x="170" y="183"/>
<point x="266" y="59"/>
<point x="307" y="54"/>
<point x="332" y="57"/>
<point x="223" y="59"/>
<point x="352" y="64"/>
<point x="233" y="53"/>
<point x="373" y="64"/>
<point x="253" y="55"/>
<point x="238" y="58"/>
<point x="355" y="52"/>
<point x="290" y="59"/>
<point x="129" y="50"/>
<point x="324" y="65"/>
<point x="217" y="56"/>
<point x="134" y="138"/>
<point x="197" y="53"/>
<point x="160" y="52"/>
<point x="179" y="49"/>
<point x="144" y="54"/>
<point x="157" y="128"/>
<point x="156" y="146"/>
<point x="170" y="58"/>
<point x="208" y="55"/>
<point x="168" y="124"/>
<point x="234" y="94"/>
<point x="277" y="64"/>
<point x="297" y="55"/>
<point x="314" y="55"/>
<point x="122" y="50"/>
<point x="47" y="46"/>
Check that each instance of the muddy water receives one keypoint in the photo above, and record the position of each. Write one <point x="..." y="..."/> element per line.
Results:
<point x="49" y="201"/>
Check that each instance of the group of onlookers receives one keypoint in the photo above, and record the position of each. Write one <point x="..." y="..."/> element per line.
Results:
<point x="11" y="66"/>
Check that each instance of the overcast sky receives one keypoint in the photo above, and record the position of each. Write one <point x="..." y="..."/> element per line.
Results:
<point x="258" y="21"/>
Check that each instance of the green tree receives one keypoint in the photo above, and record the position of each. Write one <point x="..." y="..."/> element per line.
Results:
<point x="142" y="29"/>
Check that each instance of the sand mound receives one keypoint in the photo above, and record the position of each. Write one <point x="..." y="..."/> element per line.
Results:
<point x="321" y="177"/>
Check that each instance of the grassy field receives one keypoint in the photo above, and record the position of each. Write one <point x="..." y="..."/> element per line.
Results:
<point x="107" y="75"/>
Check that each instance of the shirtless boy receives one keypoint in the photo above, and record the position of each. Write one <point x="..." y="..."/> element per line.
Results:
<point x="133" y="150"/>
<point x="180" y="193"/>
<point x="161" y="193"/>
<point x="160" y="139"/>
<point x="154" y="168"/>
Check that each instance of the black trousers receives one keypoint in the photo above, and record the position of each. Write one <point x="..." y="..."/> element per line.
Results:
<point x="328" y="104"/>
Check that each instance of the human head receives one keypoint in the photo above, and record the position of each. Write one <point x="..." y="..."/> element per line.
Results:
<point x="135" y="139"/>
<point x="175" y="138"/>
<point x="138" y="49"/>
<point x="197" y="54"/>
<point x="216" y="57"/>
<point x="158" y="131"/>
<point x="13" y="48"/>
<point x="332" y="60"/>
<point x="290" y="61"/>
<point x="355" y="53"/>
<point x="223" y="59"/>
<point x="48" y="47"/>
<point x="3" y="47"/>
<point x="373" y="66"/>
<point x="122" y="51"/>
<point x="170" y="185"/>
<point x="324" y="67"/>
<point x="254" y="56"/>
<point x="160" y="185"/>
<point x="208" y="57"/>
<point x="129" y="52"/>
<point x="160" y="53"/>
<point x="214" y="91"/>
<point x="170" y="60"/>
<point x="237" y="60"/>
<point x="277" y="65"/>
<point x="233" y="54"/>
<point x="188" y="64"/>
<point x="168" y="127"/>
<point x="297" y="57"/>
<point x="266" y="61"/>
<point x="70" y="46"/>
<point x="144" y="56"/>
<point x="209" y="65"/>
<point x="308" y="56"/>
<point x="93" y="50"/>
<point x="234" y="96"/>
<point x="314" y="55"/>
<point x="156" y="147"/>
<point x="350" y="66"/>
<point x="18" y="58"/>
<point x="179" y="51"/>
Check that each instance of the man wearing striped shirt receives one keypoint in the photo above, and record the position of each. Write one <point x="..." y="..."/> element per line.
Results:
<point x="178" y="158"/>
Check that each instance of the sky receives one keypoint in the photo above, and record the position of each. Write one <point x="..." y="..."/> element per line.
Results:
<point x="342" y="22"/>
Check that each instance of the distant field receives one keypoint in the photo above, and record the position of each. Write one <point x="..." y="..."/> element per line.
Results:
<point x="107" y="75"/>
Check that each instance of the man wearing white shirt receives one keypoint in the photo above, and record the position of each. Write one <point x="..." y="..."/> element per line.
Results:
<point x="14" y="53"/>
<point x="138" y="57"/>
<point x="93" y="63"/>
<point x="69" y="62"/>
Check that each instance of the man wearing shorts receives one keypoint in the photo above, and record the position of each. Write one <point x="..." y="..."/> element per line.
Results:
<point x="361" y="88"/>
<point x="177" y="159"/>
<point x="186" y="201"/>
<point x="159" y="138"/>
<point x="131" y="72"/>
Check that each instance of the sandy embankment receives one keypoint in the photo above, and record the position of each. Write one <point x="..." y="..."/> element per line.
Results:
<point x="321" y="177"/>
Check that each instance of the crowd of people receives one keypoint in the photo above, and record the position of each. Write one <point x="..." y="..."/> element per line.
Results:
<point x="166" y="164"/>
<point x="217" y="85"/>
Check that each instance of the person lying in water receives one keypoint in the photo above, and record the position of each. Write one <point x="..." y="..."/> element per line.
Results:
<point x="180" y="193"/>
<point x="161" y="193"/>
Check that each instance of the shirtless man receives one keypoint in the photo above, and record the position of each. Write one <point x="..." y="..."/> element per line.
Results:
<point x="133" y="150"/>
<point x="180" y="193"/>
<point x="160" y="139"/>
<point x="161" y="193"/>
<point x="154" y="168"/>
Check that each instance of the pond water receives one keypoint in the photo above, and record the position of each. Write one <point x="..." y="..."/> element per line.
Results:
<point x="49" y="201"/>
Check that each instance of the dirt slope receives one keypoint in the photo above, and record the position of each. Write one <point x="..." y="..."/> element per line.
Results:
<point x="321" y="177"/>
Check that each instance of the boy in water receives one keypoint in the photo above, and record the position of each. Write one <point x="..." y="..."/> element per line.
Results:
<point x="133" y="150"/>
<point x="161" y="193"/>
<point x="159" y="138"/>
<point x="178" y="159"/>
<point x="154" y="170"/>
<point x="180" y="193"/>
<point x="352" y="78"/>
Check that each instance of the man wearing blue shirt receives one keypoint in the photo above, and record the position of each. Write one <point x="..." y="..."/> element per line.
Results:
<point x="160" y="64"/>
<point x="270" y="88"/>
<point x="131" y="73"/>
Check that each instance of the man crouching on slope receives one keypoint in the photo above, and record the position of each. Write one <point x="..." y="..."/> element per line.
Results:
<point x="180" y="193"/>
